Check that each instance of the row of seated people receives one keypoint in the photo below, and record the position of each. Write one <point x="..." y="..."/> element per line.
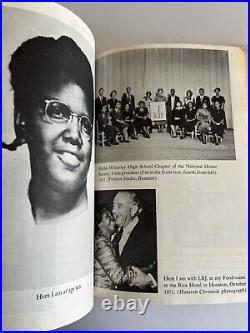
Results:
<point x="186" y="119"/>
<point x="127" y="122"/>
<point x="204" y="121"/>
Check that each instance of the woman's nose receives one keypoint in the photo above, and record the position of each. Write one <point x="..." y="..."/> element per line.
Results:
<point x="73" y="133"/>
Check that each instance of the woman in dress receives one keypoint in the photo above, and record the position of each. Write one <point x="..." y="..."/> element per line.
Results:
<point x="129" y="118"/>
<point x="178" y="120"/>
<point x="203" y="122"/>
<point x="112" y="101"/>
<point x="190" y="117"/>
<point x="217" y="122"/>
<point x="118" y="122"/>
<point x="108" y="271"/>
<point x="143" y="122"/>
<point x="221" y="100"/>
<point x="189" y="98"/>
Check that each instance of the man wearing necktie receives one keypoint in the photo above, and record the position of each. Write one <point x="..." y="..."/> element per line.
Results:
<point x="202" y="99"/>
<point x="135" y="242"/>
<point x="128" y="98"/>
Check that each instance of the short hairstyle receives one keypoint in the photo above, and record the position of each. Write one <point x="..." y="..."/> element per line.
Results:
<point x="160" y="89"/>
<point x="113" y="91"/>
<point x="132" y="195"/>
<point x="148" y="92"/>
<point x="172" y="89"/>
<point x="141" y="102"/>
<point x="45" y="63"/>
<point x="216" y="89"/>
<point x="190" y="91"/>
<point x="202" y="89"/>
<point x="100" y="89"/>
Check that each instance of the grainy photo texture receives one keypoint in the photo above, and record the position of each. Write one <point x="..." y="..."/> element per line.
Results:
<point x="164" y="104"/>
<point x="53" y="114"/>
<point x="126" y="240"/>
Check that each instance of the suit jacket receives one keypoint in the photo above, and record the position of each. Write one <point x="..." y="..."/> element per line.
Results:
<point x="198" y="102"/>
<point x="99" y="104"/>
<point x="140" y="249"/>
<point x="125" y="101"/>
<point x="176" y="99"/>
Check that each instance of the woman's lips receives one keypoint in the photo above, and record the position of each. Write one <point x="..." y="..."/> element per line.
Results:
<point x="68" y="159"/>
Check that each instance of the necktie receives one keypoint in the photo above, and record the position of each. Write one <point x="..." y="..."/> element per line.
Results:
<point x="116" y="241"/>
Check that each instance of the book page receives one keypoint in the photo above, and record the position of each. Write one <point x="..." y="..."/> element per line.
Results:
<point x="171" y="174"/>
<point x="48" y="166"/>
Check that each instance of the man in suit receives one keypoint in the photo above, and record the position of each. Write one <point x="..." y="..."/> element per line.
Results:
<point x="128" y="98"/>
<point x="100" y="101"/>
<point x="135" y="242"/>
<point x="202" y="99"/>
<point x="171" y="105"/>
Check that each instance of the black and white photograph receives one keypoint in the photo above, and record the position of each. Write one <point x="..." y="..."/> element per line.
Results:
<point x="48" y="111"/>
<point x="126" y="240"/>
<point x="164" y="104"/>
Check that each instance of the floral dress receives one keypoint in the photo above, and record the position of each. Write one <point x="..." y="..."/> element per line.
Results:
<point x="203" y="120"/>
<point x="108" y="272"/>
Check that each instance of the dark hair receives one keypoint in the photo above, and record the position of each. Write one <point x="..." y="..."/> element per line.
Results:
<point x="202" y="89"/>
<point x="43" y="63"/>
<point x="102" y="209"/>
<point x="112" y="93"/>
<point x="148" y="92"/>
<point x="160" y="89"/>
<point x="100" y="89"/>
<point x="141" y="102"/>
<point x="216" y="89"/>
<point x="190" y="91"/>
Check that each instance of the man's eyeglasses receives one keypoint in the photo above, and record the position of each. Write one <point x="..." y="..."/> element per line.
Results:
<point x="59" y="113"/>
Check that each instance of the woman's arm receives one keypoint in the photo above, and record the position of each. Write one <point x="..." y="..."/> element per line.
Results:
<point x="107" y="259"/>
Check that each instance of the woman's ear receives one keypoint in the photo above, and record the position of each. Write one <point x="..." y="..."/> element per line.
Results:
<point x="20" y="127"/>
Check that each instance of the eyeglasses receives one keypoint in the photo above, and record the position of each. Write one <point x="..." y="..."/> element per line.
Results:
<point x="59" y="113"/>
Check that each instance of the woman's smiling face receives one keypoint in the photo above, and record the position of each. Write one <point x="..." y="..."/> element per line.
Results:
<point x="59" y="152"/>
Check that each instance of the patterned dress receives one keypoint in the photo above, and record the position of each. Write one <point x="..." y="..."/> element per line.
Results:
<point x="108" y="272"/>
<point x="203" y="120"/>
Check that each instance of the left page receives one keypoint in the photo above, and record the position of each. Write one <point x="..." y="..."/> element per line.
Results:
<point x="48" y="178"/>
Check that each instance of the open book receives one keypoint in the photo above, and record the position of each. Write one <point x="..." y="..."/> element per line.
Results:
<point x="123" y="173"/>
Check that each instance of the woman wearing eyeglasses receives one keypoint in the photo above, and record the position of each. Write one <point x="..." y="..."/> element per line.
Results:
<point x="53" y="113"/>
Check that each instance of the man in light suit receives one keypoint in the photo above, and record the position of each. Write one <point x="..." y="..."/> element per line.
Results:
<point x="128" y="98"/>
<point x="135" y="242"/>
<point x="202" y="99"/>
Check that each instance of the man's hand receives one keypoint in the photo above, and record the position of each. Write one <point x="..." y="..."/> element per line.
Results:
<point x="141" y="280"/>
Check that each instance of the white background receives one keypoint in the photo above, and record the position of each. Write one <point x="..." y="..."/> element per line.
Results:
<point x="116" y="25"/>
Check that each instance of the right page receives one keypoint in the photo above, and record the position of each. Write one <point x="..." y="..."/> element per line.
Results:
<point x="171" y="174"/>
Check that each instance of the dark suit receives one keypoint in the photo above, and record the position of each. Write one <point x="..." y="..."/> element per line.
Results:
<point x="171" y="105"/>
<point x="140" y="249"/>
<point x="126" y="100"/>
<point x="99" y="104"/>
<point x="198" y="101"/>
